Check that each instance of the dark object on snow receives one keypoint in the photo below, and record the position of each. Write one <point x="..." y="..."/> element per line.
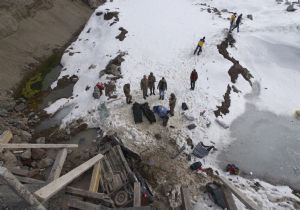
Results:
<point x="162" y="113"/>
<point x="191" y="126"/>
<point x="232" y="169"/>
<point x="137" y="113"/>
<point x="291" y="8"/>
<point x="215" y="193"/>
<point x="202" y="150"/>
<point x="196" y="166"/>
<point x="149" y="114"/>
<point x="184" y="106"/>
<point x="165" y="121"/>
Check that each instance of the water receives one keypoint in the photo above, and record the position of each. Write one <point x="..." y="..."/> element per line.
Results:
<point x="267" y="145"/>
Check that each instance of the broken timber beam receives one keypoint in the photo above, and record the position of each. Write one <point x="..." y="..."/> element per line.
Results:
<point x="20" y="189"/>
<point x="229" y="198"/>
<point x="137" y="194"/>
<point x="246" y="201"/>
<point x="5" y="138"/>
<point x="53" y="187"/>
<point x="31" y="146"/>
<point x="95" y="180"/>
<point x="58" y="164"/>
<point x="186" y="199"/>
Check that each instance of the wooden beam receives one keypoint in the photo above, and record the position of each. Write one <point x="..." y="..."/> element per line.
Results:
<point x="28" y="180"/>
<point x="95" y="180"/>
<point x="5" y="138"/>
<point x="137" y="194"/>
<point x="53" y="187"/>
<point x="44" y="146"/>
<point x="58" y="164"/>
<point x="81" y="205"/>
<point x="24" y="172"/>
<point x="245" y="200"/>
<point x="20" y="189"/>
<point x="229" y="198"/>
<point x="186" y="199"/>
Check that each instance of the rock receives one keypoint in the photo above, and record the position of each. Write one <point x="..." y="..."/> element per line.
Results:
<point x="45" y="163"/>
<point x="26" y="155"/>
<point x="94" y="3"/>
<point x="34" y="164"/>
<point x="224" y="10"/>
<point x="20" y="107"/>
<point x="290" y="8"/>
<point x="7" y="104"/>
<point x="9" y="159"/>
<point x="3" y="113"/>
<point x="38" y="154"/>
<point x="250" y="17"/>
<point x="16" y="139"/>
<point x="99" y="13"/>
<point x="191" y="126"/>
<point x="40" y="140"/>
<point x="25" y="136"/>
<point x="157" y="136"/>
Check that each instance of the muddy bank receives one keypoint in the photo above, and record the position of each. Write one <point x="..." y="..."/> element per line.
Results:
<point x="32" y="32"/>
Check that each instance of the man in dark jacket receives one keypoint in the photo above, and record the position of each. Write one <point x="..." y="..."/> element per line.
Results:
<point x="144" y="86"/>
<point x="151" y="83"/>
<point x="162" y="87"/>
<point x="172" y="103"/>
<point x="237" y="23"/>
<point x="193" y="77"/>
<point x="126" y="89"/>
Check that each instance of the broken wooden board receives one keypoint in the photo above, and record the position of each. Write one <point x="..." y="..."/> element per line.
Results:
<point x="81" y="205"/>
<point x="5" y="137"/>
<point x="53" y="187"/>
<point x="20" y="189"/>
<point x="43" y="146"/>
<point x="229" y="198"/>
<point x="24" y="172"/>
<point x="95" y="180"/>
<point x="186" y="199"/>
<point x="243" y="198"/>
<point x="58" y="164"/>
<point x="137" y="194"/>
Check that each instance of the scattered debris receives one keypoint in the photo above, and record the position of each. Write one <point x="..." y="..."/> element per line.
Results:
<point x="221" y="123"/>
<point x="202" y="150"/>
<point x="191" y="126"/>
<point x="122" y="34"/>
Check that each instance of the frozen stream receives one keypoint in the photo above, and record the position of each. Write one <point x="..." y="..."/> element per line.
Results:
<point x="267" y="145"/>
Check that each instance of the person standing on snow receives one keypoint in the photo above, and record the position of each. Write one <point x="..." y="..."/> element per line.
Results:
<point x="162" y="87"/>
<point x="151" y="83"/>
<point x="126" y="89"/>
<point x="144" y="86"/>
<point x="172" y="103"/>
<point x="232" y="19"/>
<point x="237" y="23"/>
<point x="193" y="77"/>
<point x="199" y="46"/>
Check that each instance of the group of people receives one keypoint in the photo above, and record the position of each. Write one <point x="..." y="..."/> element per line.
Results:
<point x="235" y="22"/>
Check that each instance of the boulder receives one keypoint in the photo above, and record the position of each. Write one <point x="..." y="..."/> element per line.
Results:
<point x="20" y="107"/>
<point x="38" y="154"/>
<point x="290" y="8"/>
<point x="26" y="155"/>
<point x="25" y="136"/>
<point x="45" y="163"/>
<point x="40" y="140"/>
<point x="9" y="159"/>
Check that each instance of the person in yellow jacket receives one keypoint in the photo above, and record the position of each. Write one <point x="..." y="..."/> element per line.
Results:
<point x="232" y="19"/>
<point x="199" y="46"/>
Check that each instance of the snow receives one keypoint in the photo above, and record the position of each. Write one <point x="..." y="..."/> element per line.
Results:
<point x="162" y="35"/>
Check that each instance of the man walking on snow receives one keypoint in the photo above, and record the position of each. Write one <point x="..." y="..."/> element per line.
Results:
<point x="162" y="87"/>
<point x="193" y="77"/>
<point x="199" y="46"/>
<point x="126" y="89"/>
<point x="144" y="86"/>
<point x="232" y="19"/>
<point x="151" y="83"/>
<point x="237" y="23"/>
<point x="172" y="103"/>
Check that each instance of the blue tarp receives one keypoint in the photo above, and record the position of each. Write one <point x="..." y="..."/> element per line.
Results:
<point x="161" y="111"/>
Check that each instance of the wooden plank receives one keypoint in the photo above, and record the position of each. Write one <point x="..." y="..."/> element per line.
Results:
<point x="95" y="180"/>
<point x="44" y="146"/>
<point x="28" y="180"/>
<point x="229" y="199"/>
<point x="58" y="164"/>
<point x="24" y="172"/>
<point x="20" y="189"/>
<point x="123" y="159"/>
<point x="81" y="205"/>
<point x="246" y="201"/>
<point x="53" y="187"/>
<point x="186" y="199"/>
<point x="137" y="194"/>
<point x="5" y="138"/>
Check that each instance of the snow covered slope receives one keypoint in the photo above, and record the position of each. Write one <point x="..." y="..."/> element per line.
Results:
<point x="162" y="35"/>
